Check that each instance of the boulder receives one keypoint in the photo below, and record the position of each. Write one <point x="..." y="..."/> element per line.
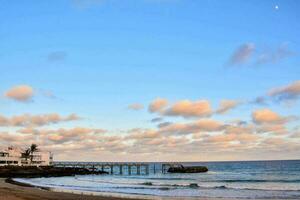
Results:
<point x="192" y="169"/>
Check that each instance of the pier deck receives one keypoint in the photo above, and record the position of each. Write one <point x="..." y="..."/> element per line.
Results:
<point x="121" y="168"/>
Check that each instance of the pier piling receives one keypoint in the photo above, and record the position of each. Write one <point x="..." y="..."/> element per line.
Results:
<point x="121" y="169"/>
<point x="111" y="169"/>
<point x="136" y="168"/>
<point x="129" y="169"/>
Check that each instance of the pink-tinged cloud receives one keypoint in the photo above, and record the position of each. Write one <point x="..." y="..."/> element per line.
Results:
<point x="143" y="134"/>
<point x="62" y="135"/>
<point x="21" y="93"/>
<point x="13" y="138"/>
<point x="289" y="92"/>
<point x="157" y="105"/>
<point x="296" y="135"/>
<point x="274" y="141"/>
<point x="233" y="134"/>
<point x="203" y="125"/>
<point x="135" y="106"/>
<point x="267" y="116"/>
<point x="183" y="108"/>
<point x="67" y="135"/>
<point x="35" y="120"/>
<point x="226" y="105"/>
<point x="226" y="138"/>
<point x="243" y="54"/>
<point x="238" y="129"/>
<point x="276" y="129"/>
<point x="188" y="109"/>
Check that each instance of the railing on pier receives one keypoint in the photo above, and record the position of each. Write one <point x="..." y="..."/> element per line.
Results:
<point x="132" y="168"/>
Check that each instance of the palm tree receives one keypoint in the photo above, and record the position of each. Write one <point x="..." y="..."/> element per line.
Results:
<point x="33" y="148"/>
<point x="26" y="154"/>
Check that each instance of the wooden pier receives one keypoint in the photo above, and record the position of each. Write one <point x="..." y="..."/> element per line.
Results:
<point x="120" y="168"/>
<point x="111" y="168"/>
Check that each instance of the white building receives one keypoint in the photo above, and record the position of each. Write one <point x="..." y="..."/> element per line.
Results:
<point x="15" y="156"/>
<point x="42" y="158"/>
<point x="10" y="156"/>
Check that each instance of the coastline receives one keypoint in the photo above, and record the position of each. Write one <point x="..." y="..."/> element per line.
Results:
<point x="12" y="190"/>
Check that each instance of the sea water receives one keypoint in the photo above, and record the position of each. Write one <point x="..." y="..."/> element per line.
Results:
<point x="240" y="180"/>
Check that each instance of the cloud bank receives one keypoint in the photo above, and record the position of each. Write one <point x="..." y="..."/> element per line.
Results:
<point x="35" y="120"/>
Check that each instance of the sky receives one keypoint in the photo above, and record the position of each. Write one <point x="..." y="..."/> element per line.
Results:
<point x="151" y="80"/>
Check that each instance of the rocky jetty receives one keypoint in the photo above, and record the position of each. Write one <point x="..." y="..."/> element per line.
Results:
<point x="192" y="169"/>
<point x="35" y="172"/>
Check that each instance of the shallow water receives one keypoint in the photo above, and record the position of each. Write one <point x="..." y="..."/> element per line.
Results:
<point x="249" y="180"/>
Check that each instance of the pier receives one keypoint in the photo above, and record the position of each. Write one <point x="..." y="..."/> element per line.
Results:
<point x="110" y="167"/>
<point x="120" y="168"/>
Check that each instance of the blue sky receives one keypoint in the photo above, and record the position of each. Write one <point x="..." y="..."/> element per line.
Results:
<point x="98" y="57"/>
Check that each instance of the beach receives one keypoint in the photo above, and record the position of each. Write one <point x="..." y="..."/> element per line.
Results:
<point x="18" y="191"/>
<point x="10" y="191"/>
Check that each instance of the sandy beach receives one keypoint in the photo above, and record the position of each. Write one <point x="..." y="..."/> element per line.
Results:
<point x="17" y="192"/>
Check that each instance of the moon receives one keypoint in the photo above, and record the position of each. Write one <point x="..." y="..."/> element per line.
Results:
<point x="276" y="7"/>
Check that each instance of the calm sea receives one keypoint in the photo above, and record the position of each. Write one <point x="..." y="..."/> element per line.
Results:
<point x="240" y="180"/>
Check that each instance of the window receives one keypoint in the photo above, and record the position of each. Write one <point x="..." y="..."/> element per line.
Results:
<point x="3" y="154"/>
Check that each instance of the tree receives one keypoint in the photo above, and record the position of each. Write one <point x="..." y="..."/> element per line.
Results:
<point x="33" y="148"/>
<point x="26" y="154"/>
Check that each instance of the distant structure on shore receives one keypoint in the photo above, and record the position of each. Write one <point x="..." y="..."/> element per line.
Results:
<point x="18" y="157"/>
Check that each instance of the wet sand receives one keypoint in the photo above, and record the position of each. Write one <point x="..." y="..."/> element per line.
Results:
<point x="10" y="191"/>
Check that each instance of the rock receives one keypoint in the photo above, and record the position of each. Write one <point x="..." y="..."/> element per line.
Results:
<point x="147" y="183"/>
<point x="164" y="188"/>
<point x="193" y="185"/>
<point x="50" y="171"/>
<point x="194" y="169"/>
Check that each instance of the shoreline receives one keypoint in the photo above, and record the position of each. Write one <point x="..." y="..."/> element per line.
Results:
<point x="100" y="195"/>
<point x="13" y="190"/>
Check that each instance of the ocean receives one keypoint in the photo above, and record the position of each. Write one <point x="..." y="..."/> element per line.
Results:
<point x="234" y="180"/>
